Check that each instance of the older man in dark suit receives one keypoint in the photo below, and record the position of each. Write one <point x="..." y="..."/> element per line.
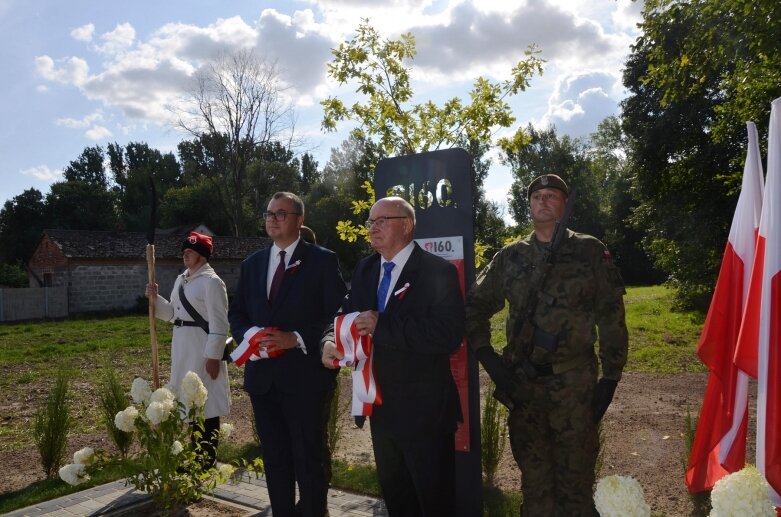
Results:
<point x="410" y="302"/>
<point x="286" y="296"/>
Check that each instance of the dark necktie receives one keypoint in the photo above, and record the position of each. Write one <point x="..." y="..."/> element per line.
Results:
<point x="277" y="280"/>
<point x="382" y="292"/>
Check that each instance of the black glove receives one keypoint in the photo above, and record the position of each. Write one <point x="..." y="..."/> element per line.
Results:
<point x="603" y="396"/>
<point x="502" y="376"/>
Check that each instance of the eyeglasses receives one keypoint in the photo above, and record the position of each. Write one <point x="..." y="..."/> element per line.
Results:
<point x="279" y="215"/>
<point x="381" y="221"/>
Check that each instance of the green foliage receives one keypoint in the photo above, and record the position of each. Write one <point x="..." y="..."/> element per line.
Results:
<point x="132" y="166"/>
<point x="48" y="489"/>
<point x="169" y="466"/>
<point x="359" y="478"/>
<point x="493" y="437"/>
<point x="112" y="401"/>
<point x="700" y="500"/>
<point x="22" y="219"/>
<point x="379" y="68"/>
<point x="51" y="425"/>
<point x="235" y="112"/>
<point x="12" y="276"/>
<point x="694" y="79"/>
<point x="662" y="339"/>
<point x="335" y="412"/>
<point x="498" y="503"/>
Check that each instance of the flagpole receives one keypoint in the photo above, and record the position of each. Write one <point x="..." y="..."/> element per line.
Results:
<point x="150" y="267"/>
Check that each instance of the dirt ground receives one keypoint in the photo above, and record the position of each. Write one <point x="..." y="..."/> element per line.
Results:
<point x="643" y="428"/>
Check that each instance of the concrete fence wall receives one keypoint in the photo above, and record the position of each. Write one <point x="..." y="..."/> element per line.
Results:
<point x="30" y="303"/>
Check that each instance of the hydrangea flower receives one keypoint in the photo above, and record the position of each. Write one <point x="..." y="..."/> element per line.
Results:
<point x="140" y="391"/>
<point x="193" y="390"/>
<point x="176" y="447"/>
<point x="742" y="493"/>
<point x="620" y="496"/>
<point x="162" y="395"/>
<point x="226" y="429"/>
<point x="74" y="474"/>
<point x="125" y="420"/>
<point x="225" y="472"/>
<point x="85" y="456"/>
<point x="157" y="412"/>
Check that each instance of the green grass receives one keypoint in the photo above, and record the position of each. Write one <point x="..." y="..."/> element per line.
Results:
<point x="660" y="340"/>
<point x="51" y="489"/>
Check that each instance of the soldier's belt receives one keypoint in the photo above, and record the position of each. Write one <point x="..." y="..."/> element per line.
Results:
<point x="544" y="370"/>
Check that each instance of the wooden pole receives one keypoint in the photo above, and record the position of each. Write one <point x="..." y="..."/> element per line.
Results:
<point x="150" y="265"/>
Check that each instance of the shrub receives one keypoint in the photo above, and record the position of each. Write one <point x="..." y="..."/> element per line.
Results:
<point x="493" y="438"/>
<point x="51" y="425"/>
<point x="112" y="401"/>
<point x="335" y="412"/>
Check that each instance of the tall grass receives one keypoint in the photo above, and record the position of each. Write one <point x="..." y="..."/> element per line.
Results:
<point x="112" y="401"/>
<point x="51" y="425"/>
<point x="493" y="437"/>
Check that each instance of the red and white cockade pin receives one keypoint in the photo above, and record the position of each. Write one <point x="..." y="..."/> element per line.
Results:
<point x="401" y="293"/>
<point x="294" y="266"/>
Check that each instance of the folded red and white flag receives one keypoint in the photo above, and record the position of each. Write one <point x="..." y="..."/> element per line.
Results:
<point x="357" y="352"/>
<point x="252" y="348"/>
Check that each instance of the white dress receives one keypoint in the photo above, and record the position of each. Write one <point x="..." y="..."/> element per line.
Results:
<point x="191" y="346"/>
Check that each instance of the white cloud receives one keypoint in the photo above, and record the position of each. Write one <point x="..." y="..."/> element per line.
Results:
<point x="580" y="102"/>
<point x="79" y="123"/>
<point x="42" y="173"/>
<point x="118" y="40"/>
<point x="41" y="88"/>
<point x="72" y="70"/>
<point x="98" y="133"/>
<point x="83" y="33"/>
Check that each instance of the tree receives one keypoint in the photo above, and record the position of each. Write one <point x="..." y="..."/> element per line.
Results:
<point x="236" y="106"/>
<point x="83" y="201"/>
<point x="607" y="152"/>
<point x="690" y="78"/>
<point x="88" y="168"/>
<point x="350" y="166"/>
<point x="132" y="168"/>
<point x="729" y="53"/>
<point x="546" y="153"/>
<point x="378" y="67"/>
<point x="489" y="227"/>
<point x="22" y="220"/>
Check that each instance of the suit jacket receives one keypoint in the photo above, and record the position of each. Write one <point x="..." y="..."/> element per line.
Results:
<point x="307" y="301"/>
<point x="413" y="340"/>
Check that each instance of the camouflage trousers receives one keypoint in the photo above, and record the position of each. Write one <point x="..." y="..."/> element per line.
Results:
<point x="555" y="442"/>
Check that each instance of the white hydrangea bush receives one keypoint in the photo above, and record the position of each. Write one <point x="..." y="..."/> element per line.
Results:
<point x="741" y="494"/>
<point x="168" y="466"/>
<point x="620" y="496"/>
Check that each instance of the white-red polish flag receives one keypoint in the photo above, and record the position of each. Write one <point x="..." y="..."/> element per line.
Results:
<point x="719" y="446"/>
<point x="759" y="343"/>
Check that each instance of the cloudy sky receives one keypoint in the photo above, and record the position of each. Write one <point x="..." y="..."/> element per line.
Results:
<point x="79" y="73"/>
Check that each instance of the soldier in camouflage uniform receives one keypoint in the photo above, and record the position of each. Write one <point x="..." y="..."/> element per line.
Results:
<point x="554" y="416"/>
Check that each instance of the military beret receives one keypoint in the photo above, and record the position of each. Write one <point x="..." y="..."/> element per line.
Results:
<point x="547" y="181"/>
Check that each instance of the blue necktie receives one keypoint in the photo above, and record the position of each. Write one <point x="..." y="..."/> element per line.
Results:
<point x="382" y="292"/>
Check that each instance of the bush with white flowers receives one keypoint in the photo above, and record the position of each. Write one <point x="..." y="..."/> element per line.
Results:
<point x="167" y="466"/>
<point x="741" y="493"/>
<point x="620" y="496"/>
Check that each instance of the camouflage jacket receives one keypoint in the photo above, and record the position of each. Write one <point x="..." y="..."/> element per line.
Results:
<point x="583" y="292"/>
